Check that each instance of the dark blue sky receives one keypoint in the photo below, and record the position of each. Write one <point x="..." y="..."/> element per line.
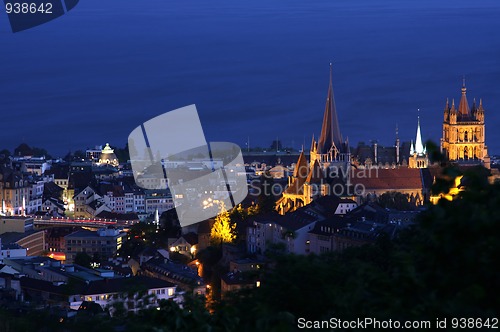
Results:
<point x="253" y="68"/>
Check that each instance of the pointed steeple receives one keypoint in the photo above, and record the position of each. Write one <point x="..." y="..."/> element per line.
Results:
<point x="463" y="107"/>
<point x="453" y="105"/>
<point x="300" y="174"/>
<point x="419" y="147"/>
<point x="479" y="114"/>
<point x="446" y="112"/>
<point x="313" y="144"/>
<point x="301" y="167"/>
<point x="330" y="131"/>
<point x="412" y="148"/>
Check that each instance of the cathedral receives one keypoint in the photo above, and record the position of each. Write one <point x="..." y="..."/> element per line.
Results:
<point x="329" y="161"/>
<point x="404" y="167"/>
<point x="463" y="138"/>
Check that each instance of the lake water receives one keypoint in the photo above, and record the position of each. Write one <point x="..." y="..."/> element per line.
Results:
<point x="256" y="69"/>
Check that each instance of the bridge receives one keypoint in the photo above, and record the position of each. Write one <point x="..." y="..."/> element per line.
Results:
<point x="81" y="222"/>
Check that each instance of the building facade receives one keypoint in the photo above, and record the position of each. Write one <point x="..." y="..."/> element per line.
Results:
<point x="105" y="242"/>
<point x="464" y="132"/>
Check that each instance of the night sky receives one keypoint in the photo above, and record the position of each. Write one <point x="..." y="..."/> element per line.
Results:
<point x="255" y="69"/>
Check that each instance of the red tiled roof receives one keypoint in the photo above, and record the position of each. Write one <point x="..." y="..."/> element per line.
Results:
<point x="388" y="179"/>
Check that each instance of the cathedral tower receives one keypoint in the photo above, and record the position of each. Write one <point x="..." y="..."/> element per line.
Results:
<point x="463" y="138"/>
<point x="330" y="147"/>
<point x="327" y="156"/>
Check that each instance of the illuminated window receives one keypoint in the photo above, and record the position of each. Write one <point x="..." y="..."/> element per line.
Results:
<point x="170" y="292"/>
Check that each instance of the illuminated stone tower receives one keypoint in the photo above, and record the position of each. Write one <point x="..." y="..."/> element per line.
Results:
<point x="463" y="138"/>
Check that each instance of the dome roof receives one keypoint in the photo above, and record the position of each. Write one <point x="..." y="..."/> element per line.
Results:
<point x="108" y="156"/>
<point x="107" y="149"/>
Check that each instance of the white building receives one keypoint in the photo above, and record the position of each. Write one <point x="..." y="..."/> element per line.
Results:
<point x="345" y="206"/>
<point x="11" y="251"/>
<point x="109" y="291"/>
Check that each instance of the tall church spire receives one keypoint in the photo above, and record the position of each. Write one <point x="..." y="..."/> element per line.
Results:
<point x="463" y="107"/>
<point x="330" y="131"/>
<point x="419" y="147"/>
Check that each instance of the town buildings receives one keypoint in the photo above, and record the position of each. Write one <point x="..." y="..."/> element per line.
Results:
<point x="103" y="243"/>
<point x="334" y="168"/>
<point x="292" y="229"/>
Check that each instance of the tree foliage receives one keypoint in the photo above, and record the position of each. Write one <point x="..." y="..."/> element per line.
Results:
<point x="83" y="259"/>
<point x="223" y="229"/>
<point x="395" y="200"/>
<point x="446" y="265"/>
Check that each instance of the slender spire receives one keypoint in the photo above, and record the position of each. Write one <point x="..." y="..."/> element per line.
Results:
<point x="447" y="107"/>
<point x="419" y="147"/>
<point x="463" y="107"/>
<point x="412" y="148"/>
<point x="480" y="108"/>
<point x="313" y="144"/>
<point x="453" y="105"/>
<point x="330" y="130"/>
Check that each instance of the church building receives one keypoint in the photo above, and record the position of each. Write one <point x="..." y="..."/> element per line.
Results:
<point x="329" y="160"/>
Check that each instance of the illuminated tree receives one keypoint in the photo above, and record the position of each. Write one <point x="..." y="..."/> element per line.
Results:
<point x="223" y="230"/>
